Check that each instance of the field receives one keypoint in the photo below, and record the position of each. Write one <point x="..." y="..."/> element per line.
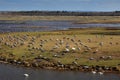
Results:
<point x="95" y="46"/>
<point x="75" y="19"/>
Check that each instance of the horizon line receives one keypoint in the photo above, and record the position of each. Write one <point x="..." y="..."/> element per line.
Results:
<point x="56" y="10"/>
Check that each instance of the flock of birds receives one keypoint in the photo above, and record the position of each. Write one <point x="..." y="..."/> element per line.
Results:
<point x="65" y="43"/>
<point x="68" y="42"/>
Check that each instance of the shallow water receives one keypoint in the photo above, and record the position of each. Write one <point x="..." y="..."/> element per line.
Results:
<point x="12" y="26"/>
<point x="9" y="72"/>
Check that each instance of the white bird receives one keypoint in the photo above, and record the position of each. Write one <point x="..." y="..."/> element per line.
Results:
<point x="26" y="75"/>
<point x="94" y="72"/>
<point x="73" y="49"/>
<point x="67" y="50"/>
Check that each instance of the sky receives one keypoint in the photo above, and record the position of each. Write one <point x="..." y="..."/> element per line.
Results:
<point x="60" y="5"/>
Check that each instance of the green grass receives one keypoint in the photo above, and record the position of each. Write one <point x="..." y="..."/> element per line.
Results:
<point x="81" y="34"/>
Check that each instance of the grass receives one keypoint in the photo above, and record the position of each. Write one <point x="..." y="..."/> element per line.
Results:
<point x="96" y="35"/>
<point x="75" y="19"/>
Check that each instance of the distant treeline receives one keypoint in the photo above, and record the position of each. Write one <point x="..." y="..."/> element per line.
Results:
<point x="59" y="13"/>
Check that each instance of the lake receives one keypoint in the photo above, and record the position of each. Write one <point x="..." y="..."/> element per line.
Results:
<point x="9" y="72"/>
<point x="32" y="26"/>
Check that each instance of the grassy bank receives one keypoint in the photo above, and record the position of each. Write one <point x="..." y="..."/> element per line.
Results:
<point x="95" y="46"/>
<point x="75" y="19"/>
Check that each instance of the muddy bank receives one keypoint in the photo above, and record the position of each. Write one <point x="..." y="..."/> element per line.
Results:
<point x="49" y="65"/>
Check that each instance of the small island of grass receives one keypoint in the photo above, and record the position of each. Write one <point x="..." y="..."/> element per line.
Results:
<point x="74" y="49"/>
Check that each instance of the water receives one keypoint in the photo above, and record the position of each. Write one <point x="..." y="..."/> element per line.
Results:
<point x="12" y="26"/>
<point x="9" y="72"/>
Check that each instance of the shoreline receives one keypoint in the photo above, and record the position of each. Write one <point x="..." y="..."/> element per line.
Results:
<point x="61" y="67"/>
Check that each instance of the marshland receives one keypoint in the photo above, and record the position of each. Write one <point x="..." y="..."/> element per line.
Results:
<point x="59" y="39"/>
<point x="61" y="43"/>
